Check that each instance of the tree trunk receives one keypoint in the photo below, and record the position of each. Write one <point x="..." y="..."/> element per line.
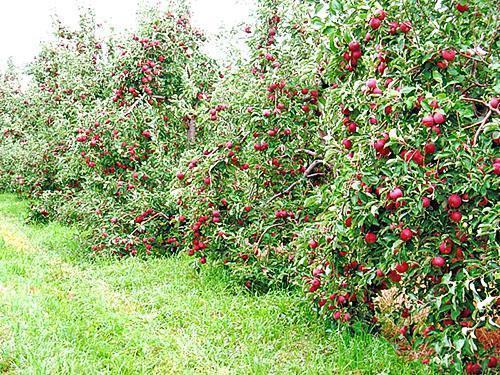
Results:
<point x="191" y="135"/>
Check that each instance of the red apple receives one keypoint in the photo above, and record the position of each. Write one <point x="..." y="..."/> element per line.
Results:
<point x="402" y="267"/>
<point x="428" y="121"/>
<point x="448" y="54"/>
<point x="396" y="193"/>
<point x="438" y="118"/>
<point x="374" y="23"/>
<point x="454" y="201"/>
<point x="370" y="237"/>
<point x="313" y="244"/>
<point x="426" y="202"/>
<point x="455" y="216"/>
<point x="438" y="262"/>
<point x="406" y="234"/>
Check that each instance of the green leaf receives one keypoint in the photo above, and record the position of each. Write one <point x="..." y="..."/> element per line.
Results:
<point x="329" y="30"/>
<point x="459" y="344"/>
<point x="437" y="76"/>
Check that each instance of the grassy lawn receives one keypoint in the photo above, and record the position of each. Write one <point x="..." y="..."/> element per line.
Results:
<point x="61" y="313"/>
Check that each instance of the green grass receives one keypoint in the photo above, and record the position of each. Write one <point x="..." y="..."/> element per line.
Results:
<point x="61" y="313"/>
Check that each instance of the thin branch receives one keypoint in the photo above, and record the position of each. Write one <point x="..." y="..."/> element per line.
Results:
<point x="133" y="106"/>
<point x="265" y="231"/>
<point x="474" y="100"/>
<point x="286" y="191"/>
<point x="315" y="175"/>
<point x="481" y="126"/>
<point x="313" y="165"/>
<point x="308" y="152"/>
<point x="307" y="174"/>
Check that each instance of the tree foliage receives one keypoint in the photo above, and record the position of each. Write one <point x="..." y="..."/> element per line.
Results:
<point x="355" y="151"/>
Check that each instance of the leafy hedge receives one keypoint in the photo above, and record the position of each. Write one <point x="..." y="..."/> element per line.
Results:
<point x="413" y="120"/>
<point x="354" y="152"/>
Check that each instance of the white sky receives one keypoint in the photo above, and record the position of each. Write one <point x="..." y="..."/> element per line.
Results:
<point x="25" y="23"/>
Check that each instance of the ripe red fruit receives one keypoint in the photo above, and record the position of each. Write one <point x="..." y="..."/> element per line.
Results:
<point x="448" y="54"/>
<point x="379" y="273"/>
<point x="445" y="247"/>
<point x="370" y="237"/>
<point x="496" y="168"/>
<point x="455" y="216"/>
<point x="380" y="14"/>
<point x="315" y="284"/>
<point x="394" y="276"/>
<point x="492" y="363"/>
<point x="426" y="202"/>
<point x="430" y="148"/>
<point x="374" y="23"/>
<point x="402" y="267"/>
<point x="403" y="330"/>
<point x="356" y="55"/>
<point x="203" y="260"/>
<point x="354" y="46"/>
<point x="438" y="262"/>
<point x="348" y="222"/>
<point x="371" y="83"/>
<point x="454" y="201"/>
<point x="473" y="368"/>
<point x="438" y="118"/>
<point x="462" y="7"/>
<point x="180" y="175"/>
<point x="494" y="103"/>
<point x="406" y="234"/>
<point x="428" y="121"/>
<point x="379" y="146"/>
<point x="313" y="244"/>
<point x="443" y="64"/>
<point x="396" y="193"/>
<point x="405" y="26"/>
<point x="347" y="143"/>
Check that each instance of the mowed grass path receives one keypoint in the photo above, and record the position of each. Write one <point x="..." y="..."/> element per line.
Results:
<point x="61" y="313"/>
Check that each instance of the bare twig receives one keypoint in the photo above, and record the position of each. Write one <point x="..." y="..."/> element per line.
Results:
<point x="133" y="106"/>
<point x="286" y="191"/>
<point x="480" y="128"/>
<point x="265" y="231"/>
<point x="474" y="100"/>
<point x="308" y="152"/>
<point x="307" y="174"/>
<point x="315" y="175"/>
<point x="313" y="165"/>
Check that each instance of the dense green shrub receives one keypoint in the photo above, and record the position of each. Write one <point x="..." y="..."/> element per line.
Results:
<point x="242" y="195"/>
<point x="413" y="122"/>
